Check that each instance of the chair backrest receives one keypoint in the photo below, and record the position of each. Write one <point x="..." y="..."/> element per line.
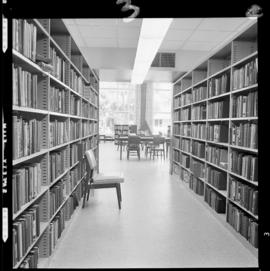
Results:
<point x="157" y="140"/>
<point x="91" y="159"/>
<point x="134" y="140"/>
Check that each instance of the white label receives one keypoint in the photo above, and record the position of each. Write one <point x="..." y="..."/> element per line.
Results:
<point x="5" y="224"/>
<point x="4" y="31"/>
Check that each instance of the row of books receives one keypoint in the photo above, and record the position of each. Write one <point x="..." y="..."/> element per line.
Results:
<point x="198" y="112"/>
<point x="185" y="145"/>
<point x="59" y="66"/>
<point x="24" y="86"/>
<point x="245" y="165"/>
<point x="185" y="98"/>
<point x="214" y="200"/>
<point x="185" y="114"/>
<point x="245" y="75"/>
<point x="75" y="128"/>
<point x="24" y="38"/>
<point x="218" y="132"/>
<point x="58" y="163"/>
<point x="199" y="131"/>
<point x="87" y="128"/>
<point x="58" y="100"/>
<point x="75" y="105"/>
<point x="245" y="135"/>
<point x="90" y="94"/>
<point x="76" y="82"/>
<point x="217" y="156"/>
<point x="244" y="194"/>
<point x="198" y="149"/>
<point x="86" y="110"/>
<point x="199" y="94"/>
<point x="31" y="260"/>
<point x="56" y="197"/>
<point x="26" y="137"/>
<point x="176" y="156"/>
<point x="176" y="142"/>
<point x="25" y="230"/>
<point x="177" y="115"/>
<point x="58" y="132"/>
<point x="219" y="85"/>
<point x="197" y="168"/>
<point x="185" y="160"/>
<point x="74" y="153"/>
<point x="185" y="129"/>
<point x="177" y="102"/>
<point x="196" y="185"/>
<point x="217" y="178"/>
<point x="176" y="128"/>
<point x="93" y="112"/>
<point x="26" y="185"/>
<point x="218" y="109"/>
<point x="243" y="224"/>
<point x="245" y="105"/>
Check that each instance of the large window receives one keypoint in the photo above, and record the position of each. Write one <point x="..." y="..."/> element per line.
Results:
<point x="117" y="105"/>
<point x="161" y="107"/>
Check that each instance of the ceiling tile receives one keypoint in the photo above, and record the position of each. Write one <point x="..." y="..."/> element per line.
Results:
<point x="187" y="23"/>
<point x="176" y="34"/>
<point x="100" y="42"/>
<point x="128" y="33"/>
<point x="199" y="46"/>
<point x="170" y="45"/>
<point x="128" y="43"/>
<point x="98" y="31"/>
<point x="209" y="36"/>
<point x="221" y="24"/>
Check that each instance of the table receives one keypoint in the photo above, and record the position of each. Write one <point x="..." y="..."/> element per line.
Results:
<point x="122" y="139"/>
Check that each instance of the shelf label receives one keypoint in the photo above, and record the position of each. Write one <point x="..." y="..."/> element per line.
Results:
<point x="4" y="31"/>
<point x="4" y="224"/>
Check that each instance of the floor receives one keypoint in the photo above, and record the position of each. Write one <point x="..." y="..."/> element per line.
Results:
<point x="160" y="224"/>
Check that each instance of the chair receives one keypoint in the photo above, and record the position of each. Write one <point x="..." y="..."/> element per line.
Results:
<point x="133" y="145"/>
<point x="98" y="181"/>
<point x="158" y="146"/>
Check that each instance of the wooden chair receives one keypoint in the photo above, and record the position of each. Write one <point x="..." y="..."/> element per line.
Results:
<point x="97" y="181"/>
<point x="158" y="147"/>
<point x="133" y="145"/>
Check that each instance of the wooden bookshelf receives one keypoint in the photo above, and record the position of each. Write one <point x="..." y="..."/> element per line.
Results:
<point x="48" y="170"/>
<point x="216" y="105"/>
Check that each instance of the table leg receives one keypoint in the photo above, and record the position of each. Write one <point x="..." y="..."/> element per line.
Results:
<point x="120" y="149"/>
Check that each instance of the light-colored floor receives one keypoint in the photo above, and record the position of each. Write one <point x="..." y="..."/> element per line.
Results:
<point x="160" y="224"/>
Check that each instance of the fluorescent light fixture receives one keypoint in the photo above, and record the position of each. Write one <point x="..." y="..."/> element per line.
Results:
<point x="152" y="34"/>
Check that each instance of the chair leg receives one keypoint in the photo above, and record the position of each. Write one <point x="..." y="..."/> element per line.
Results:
<point x="127" y="154"/>
<point x="118" y="196"/>
<point x="119" y="185"/>
<point x="84" y="194"/>
<point x="88" y="192"/>
<point x="138" y="152"/>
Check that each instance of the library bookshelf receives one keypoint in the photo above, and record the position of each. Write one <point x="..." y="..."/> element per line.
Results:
<point x="55" y="119"/>
<point x="215" y="135"/>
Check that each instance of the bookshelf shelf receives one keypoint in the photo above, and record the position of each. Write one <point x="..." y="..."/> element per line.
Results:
<point x="243" y="208"/>
<point x="243" y="178"/>
<point x="65" y="114"/>
<point x="29" y="157"/>
<point x="221" y="192"/>
<point x="223" y="112"/>
<point x="24" y="207"/>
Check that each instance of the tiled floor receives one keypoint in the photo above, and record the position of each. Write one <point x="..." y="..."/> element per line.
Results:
<point x="160" y="224"/>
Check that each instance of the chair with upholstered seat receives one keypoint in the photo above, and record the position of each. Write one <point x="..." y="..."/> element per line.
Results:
<point x="97" y="181"/>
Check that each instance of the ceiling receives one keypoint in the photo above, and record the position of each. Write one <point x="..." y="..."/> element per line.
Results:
<point x="192" y="39"/>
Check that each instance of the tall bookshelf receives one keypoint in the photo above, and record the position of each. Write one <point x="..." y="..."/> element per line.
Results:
<point x="55" y="119"/>
<point x="215" y="136"/>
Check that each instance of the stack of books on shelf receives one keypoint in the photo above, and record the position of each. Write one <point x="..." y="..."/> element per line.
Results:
<point x="219" y="85"/>
<point x="198" y="112"/>
<point x="58" y="100"/>
<point x="218" y="109"/>
<point x="217" y="132"/>
<point x="57" y="163"/>
<point x="26" y="136"/>
<point x="24" y="87"/>
<point x="58" y="132"/>
<point x="198" y="149"/>
<point x="245" y="75"/>
<point x="217" y="178"/>
<point x="196" y="185"/>
<point x="199" y="94"/>
<point x="24" y="38"/>
<point x="59" y="65"/>
<point x="185" y="129"/>
<point x="199" y="131"/>
<point x="214" y="200"/>
<point x="217" y="156"/>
